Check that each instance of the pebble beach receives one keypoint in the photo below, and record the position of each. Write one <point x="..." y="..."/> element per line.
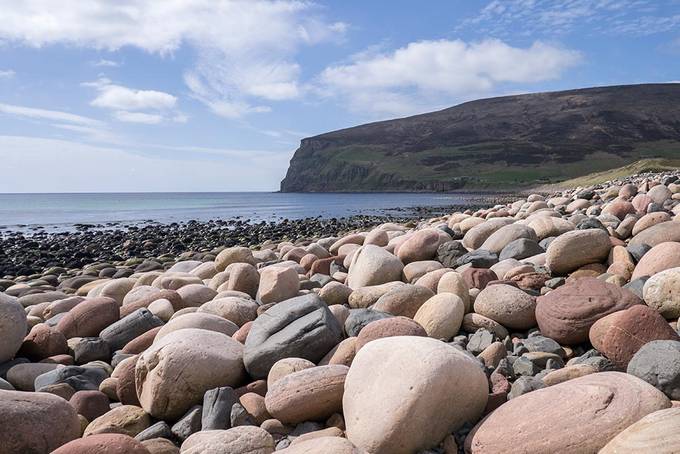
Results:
<point x="548" y="324"/>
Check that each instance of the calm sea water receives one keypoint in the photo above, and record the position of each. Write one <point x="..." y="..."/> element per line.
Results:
<point x="59" y="211"/>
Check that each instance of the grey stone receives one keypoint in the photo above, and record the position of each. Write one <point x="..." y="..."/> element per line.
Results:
<point x="301" y="327"/>
<point x="358" y="318"/>
<point x="188" y="424"/>
<point x="91" y="349"/>
<point x="5" y="385"/>
<point x="636" y="286"/>
<point x="129" y="327"/>
<point x="54" y="321"/>
<point x="240" y="417"/>
<point x="478" y="259"/>
<point x="525" y="385"/>
<point x="638" y="250"/>
<point x="217" y="404"/>
<point x="159" y="430"/>
<point x="479" y="341"/>
<point x="523" y="366"/>
<point x="590" y="223"/>
<point x="545" y="242"/>
<point x="658" y="363"/>
<point x="79" y="378"/>
<point x="543" y="344"/>
<point x="520" y="249"/>
<point x="448" y="253"/>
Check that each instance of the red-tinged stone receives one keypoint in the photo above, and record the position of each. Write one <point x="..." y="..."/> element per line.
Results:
<point x="89" y="318"/>
<point x="478" y="277"/>
<point x="567" y="313"/>
<point x="141" y="342"/>
<point x="125" y="388"/>
<point x="43" y="341"/>
<point x="242" y="332"/>
<point x="103" y="444"/>
<point x="388" y="327"/>
<point x="90" y="404"/>
<point x="66" y="360"/>
<point x="170" y="295"/>
<point x="620" y="335"/>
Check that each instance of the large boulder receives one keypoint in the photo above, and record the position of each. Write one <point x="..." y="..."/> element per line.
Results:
<point x="311" y="394"/>
<point x="173" y="374"/>
<point x="13" y="327"/>
<point x="658" y="363"/>
<point x="89" y="318"/>
<point x="507" y="305"/>
<point x="578" y="416"/>
<point x="373" y="265"/>
<point x="441" y="315"/>
<point x="576" y="248"/>
<point x="277" y="283"/>
<point x="655" y="433"/>
<point x="567" y="313"/>
<point x="661" y="257"/>
<point x="301" y="327"/>
<point x="403" y="300"/>
<point x="421" y="245"/>
<point x="506" y="235"/>
<point x="405" y="394"/>
<point x="35" y="422"/>
<point x="662" y="292"/>
<point x="620" y="335"/>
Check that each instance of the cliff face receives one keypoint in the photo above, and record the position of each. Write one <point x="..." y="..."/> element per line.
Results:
<point x="495" y="143"/>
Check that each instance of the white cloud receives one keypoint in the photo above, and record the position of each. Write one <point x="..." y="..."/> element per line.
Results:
<point x="7" y="73"/>
<point x="245" y="48"/>
<point x="44" y="114"/>
<point x="134" y="167"/>
<point x="426" y="74"/>
<point x="106" y="63"/>
<point x="135" y="106"/>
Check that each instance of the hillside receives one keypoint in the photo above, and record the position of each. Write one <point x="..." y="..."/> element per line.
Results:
<point x="503" y="142"/>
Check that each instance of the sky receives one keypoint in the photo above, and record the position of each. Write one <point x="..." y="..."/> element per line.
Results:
<point x="215" y="95"/>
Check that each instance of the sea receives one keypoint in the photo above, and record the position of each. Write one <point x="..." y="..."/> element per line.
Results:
<point x="64" y="211"/>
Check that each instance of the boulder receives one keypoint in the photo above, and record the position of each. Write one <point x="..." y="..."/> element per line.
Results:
<point x="373" y="265"/>
<point x="567" y="313"/>
<point x="405" y="394"/>
<point x="662" y="292"/>
<point x="104" y="444"/>
<point x="659" y="258"/>
<point x="577" y="416"/>
<point x="576" y="248"/>
<point x="388" y="327"/>
<point x="35" y="422"/>
<point x="277" y="283"/>
<point x="13" y="327"/>
<point x="200" y="320"/>
<point x="237" y="254"/>
<point x="507" y="305"/>
<point x="403" y="300"/>
<point x="174" y="373"/>
<point x="238" y="440"/>
<point x="232" y="308"/>
<point x="420" y="245"/>
<point x="502" y="237"/>
<point x="300" y="327"/>
<point x="655" y="433"/>
<point x="89" y="318"/>
<point x="441" y="316"/>
<point x="657" y="234"/>
<point x="658" y="363"/>
<point x="125" y="419"/>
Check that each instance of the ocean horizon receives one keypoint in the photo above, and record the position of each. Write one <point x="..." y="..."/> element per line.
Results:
<point x="62" y="211"/>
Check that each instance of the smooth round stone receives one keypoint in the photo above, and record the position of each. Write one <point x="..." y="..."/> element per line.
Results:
<point x="335" y="293"/>
<point x="659" y="193"/>
<point x="141" y="342"/>
<point x="301" y="327"/>
<point x="388" y="327"/>
<point x="431" y="279"/>
<point x="237" y="440"/>
<point x="160" y="446"/>
<point x="13" y="327"/>
<point x="507" y="305"/>
<point x="196" y="294"/>
<point x="167" y="387"/>
<point x="577" y="416"/>
<point x="237" y="254"/>
<point x="648" y="220"/>
<point x="126" y="389"/>
<point x="243" y="277"/>
<point x="655" y="433"/>
<point x="568" y="373"/>
<point x="90" y="404"/>
<point x="405" y="394"/>
<point x="373" y="265"/>
<point x="421" y="245"/>
<point x="662" y="292"/>
<point x="277" y="284"/>
<point x="415" y="270"/>
<point x="287" y="366"/>
<point x="89" y="318"/>
<point x="441" y="316"/>
<point x="657" y="234"/>
<point x="576" y="248"/>
<point x="125" y="419"/>
<point x="567" y="313"/>
<point x="619" y="208"/>
<point x="103" y="444"/>
<point x="658" y="363"/>
<point x="232" y="308"/>
<point x="117" y="289"/>
<point x="255" y="406"/>
<point x="404" y="300"/>
<point x="550" y="227"/>
<point x="661" y="257"/>
<point x="453" y="282"/>
<point x="343" y="353"/>
<point x="308" y="395"/>
<point x="472" y="322"/>
<point x="326" y="445"/>
<point x="620" y="335"/>
<point x="198" y="320"/>
<point x="22" y="376"/>
<point x="36" y="422"/>
<point x="477" y="235"/>
<point x="478" y="277"/>
<point x="364" y="297"/>
<point x="499" y="239"/>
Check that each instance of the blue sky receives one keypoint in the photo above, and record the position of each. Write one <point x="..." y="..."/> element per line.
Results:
<point x="215" y="95"/>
